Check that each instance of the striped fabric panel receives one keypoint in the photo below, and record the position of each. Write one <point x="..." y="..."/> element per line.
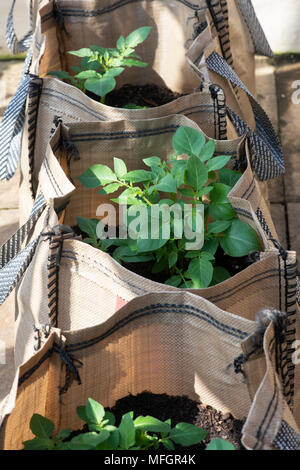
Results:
<point x="13" y="262"/>
<point x="14" y="270"/>
<point x="18" y="46"/>
<point x="287" y="438"/>
<point x="263" y="163"/>
<point x="274" y="166"/>
<point x="11" y="126"/>
<point x="12" y="247"/>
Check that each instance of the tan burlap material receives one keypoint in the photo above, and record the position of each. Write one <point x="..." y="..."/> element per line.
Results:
<point x="63" y="26"/>
<point x="115" y="321"/>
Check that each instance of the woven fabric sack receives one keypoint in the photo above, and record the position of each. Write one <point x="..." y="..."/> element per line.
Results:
<point x="58" y="28"/>
<point x="88" y="308"/>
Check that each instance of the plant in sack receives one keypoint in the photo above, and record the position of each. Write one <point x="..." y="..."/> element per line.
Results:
<point x="101" y="433"/>
<point x="177" y="201"/>
<point x="99" y="66"/>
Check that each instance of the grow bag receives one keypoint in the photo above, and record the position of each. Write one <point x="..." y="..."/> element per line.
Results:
<point x="89" y="311"/>
<point x="90" y="277"/>
<point x="174" y="343"/>
<point x="63" y="26"/>
<point x="51" y="100"/>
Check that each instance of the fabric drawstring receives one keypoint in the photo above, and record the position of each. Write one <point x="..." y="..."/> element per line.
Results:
<point x="72" y="365"/>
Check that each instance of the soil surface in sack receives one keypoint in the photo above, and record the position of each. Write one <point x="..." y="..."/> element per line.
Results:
<point x="179" y="409"/>
<point x="148" y="96"/>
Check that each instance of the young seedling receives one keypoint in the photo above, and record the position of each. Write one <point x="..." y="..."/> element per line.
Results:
<point x="141" y="433"/>
<point x="99" y="66"/>
<point x="200" y="179"/>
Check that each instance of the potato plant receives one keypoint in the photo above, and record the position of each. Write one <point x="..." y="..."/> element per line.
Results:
<point x="141" y="433"/>
<point x="195" y="176"/>
<point x="99" y="65"/>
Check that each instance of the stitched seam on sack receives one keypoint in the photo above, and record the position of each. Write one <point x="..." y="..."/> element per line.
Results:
<point x="111" y="275"/>
<point x="157" y="309"/>
<point x="52" y="179"/>
<point x="77" y="256"/>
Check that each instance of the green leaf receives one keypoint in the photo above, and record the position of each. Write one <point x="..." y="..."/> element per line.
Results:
<point x="94" y="411"/>
<point x="134" y="63"/>
<point x="150" y="424"/>
<point x="240" y="239"/>
<point x="127" y="432"/>
<point x="88" y="64"/>
<point x="41" y="427"/>
<point x="220" y="444"/>
<point x="229" y="177"/>
<point x="38" y="444"/>
<point x="188" y="141"/>
<point x="159" y="266"/>
<point x="121" y="43"/>
<point x="172" y="259"/>
<point x="129" y="196"/>
<point x="145" y="245"/>
<point x="219" y="194"/>
<point x="110" y="188"/>
<point x="88" y="226"/>
<point x="97" y="175"/>
<point x="100" y="86"/>
<point x="207" y="255"/>
<point x="114" y="72"/>
<point x="187" y="434"/>
<point x="221" y="211"/>
<point x="119" y="167"/>
<point x="84" y="52"/>
<point x="88" y="74"/>
<point x="211" y="245"/>
<point x="178" y="171"/>
<point x="60" y="74"/>
<point x="196" y="174"/>
<point x="219" y="226"/>
<point x="152" y="161"/>
<point x="174" y="281"/>
<point x="88" y="440"/>
<point x="168" y="444"/>
<point x="205" y="190"/>
<point x="111" y="443"/>
<point x="217" y="163"/>
<point x="64" y="433"/>
<point x="138" y="36"/>
<point x="220" y="274"/>
<point x="201" y="272"/>
<point x="99" y="49"/>
<point x="110" y="418"/>
<point x="81" y="413"/>
<point x="187" y="192"/>
<point x="207" y="151"/>
<point x="138" y="176"/>
<point x="167" y="184"/>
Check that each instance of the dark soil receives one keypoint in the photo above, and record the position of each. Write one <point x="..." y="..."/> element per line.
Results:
<point x="145" y="95"/>
<point x="180" y="409"/>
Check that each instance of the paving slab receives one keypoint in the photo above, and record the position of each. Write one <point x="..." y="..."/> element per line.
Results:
<point x="289" y="121"/>
<point x="278" y="212"/>
<point x="267" y="97"/>
<point x="294" y="225"/>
